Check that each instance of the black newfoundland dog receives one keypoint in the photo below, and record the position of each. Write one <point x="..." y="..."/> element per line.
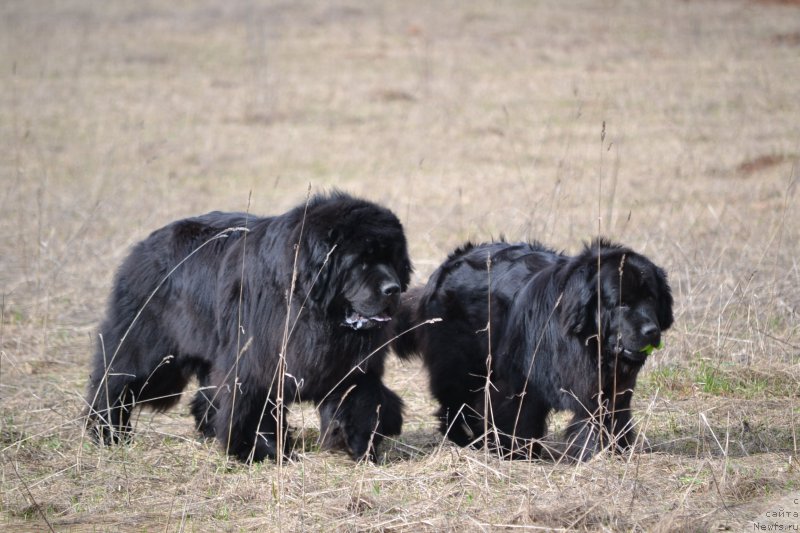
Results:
<point x="557" y="332"/>
<point x="233" y="300"/>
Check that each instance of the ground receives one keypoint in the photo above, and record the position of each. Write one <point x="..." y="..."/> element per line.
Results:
<point x="672" y="126"/>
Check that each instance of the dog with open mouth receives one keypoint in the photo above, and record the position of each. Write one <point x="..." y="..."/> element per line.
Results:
<point x="526" y="331"/>
<point x="249" y="305"/>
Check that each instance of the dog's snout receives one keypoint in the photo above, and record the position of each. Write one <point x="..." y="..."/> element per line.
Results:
<point x="390" y="288"/>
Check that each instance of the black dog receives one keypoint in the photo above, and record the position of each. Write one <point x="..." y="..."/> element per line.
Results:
<point x="555" y="342"/>
<point x="226" y="297"/>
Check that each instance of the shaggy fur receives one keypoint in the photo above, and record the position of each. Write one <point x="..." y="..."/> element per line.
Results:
<point x="209" y="297"/>
<point x="354" y="419"/>
<point x="534" y="317"/>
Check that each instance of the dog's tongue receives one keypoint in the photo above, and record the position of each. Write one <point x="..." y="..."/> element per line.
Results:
<point x="358" y="321"/>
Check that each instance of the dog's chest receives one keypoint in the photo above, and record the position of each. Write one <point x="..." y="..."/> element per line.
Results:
<point x="316" y="369"/>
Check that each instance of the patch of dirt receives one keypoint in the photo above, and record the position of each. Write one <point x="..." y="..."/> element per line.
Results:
<point x="394" y="95"/>
<point x="759" y="163"/>
<point x="787" y="39"/>
<point x="791" y="3"/>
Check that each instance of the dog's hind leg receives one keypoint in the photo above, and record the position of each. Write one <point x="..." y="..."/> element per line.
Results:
<point x="110" y="400"/>
<point x="204" y="404"/>
<point x="246" y="422"/>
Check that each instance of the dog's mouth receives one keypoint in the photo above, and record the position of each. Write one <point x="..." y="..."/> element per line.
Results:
<point x="355" y="320"/>
<point x="634" y="356"/>
<point x="639" y="354"/>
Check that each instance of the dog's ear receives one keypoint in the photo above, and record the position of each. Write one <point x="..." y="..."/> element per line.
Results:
<point x="578" y="302"/>
<point x="664" y="294"/>
<point x="319" y="264"/>
<point x="404" y="270"/>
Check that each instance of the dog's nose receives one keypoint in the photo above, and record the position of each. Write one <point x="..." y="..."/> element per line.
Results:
<point x="651" y="332"/>
<point x="390" y="288"/>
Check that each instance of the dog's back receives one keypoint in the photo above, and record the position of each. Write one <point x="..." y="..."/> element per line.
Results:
<point x="473" y="286"/>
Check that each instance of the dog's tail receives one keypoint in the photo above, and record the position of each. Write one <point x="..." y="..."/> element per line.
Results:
<point x="406" y="343"/>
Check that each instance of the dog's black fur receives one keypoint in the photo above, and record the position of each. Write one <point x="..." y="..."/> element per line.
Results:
<point x="209" y="297"/>
<point x="535" y="311"/>
<point x="353" y="419"/>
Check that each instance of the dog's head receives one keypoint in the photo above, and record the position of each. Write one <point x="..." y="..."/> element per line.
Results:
<point x="619" y="295"/>
<point x="359" y="262"/>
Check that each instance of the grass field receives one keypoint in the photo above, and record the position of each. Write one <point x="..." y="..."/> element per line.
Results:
<point x="672" y="126"/>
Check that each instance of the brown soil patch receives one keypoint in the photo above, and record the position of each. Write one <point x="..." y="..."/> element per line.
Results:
<point x="787" y="39"/>
<point x="792" y="3"/>
<point x="759" y="163"/>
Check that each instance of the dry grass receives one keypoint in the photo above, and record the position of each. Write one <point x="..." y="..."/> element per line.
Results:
<point x="469" y="120"/>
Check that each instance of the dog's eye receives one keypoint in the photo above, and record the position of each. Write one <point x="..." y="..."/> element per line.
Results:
<point x="375" y="249"/>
